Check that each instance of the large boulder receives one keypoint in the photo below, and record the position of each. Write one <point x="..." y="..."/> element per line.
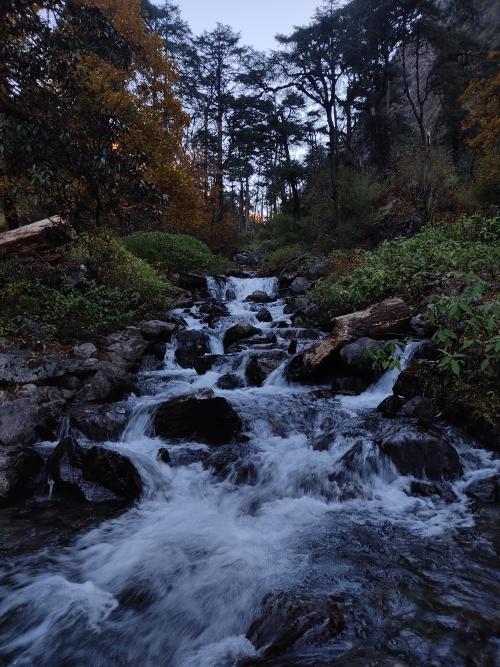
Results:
<point x="240" y="331"/>
<point x="420" y="454"/>
<point x="261" y="365"/>
<point x="230" y="381"/>
<point x="125" y="349"/>
<point x="201" y="416"/>
<point x="264" y="315"/>
<point x="357" y="355"/>
<point x="20" y="472"/>
<point x="108" y="385"/>
<point x="288" y="621"/>
<point x="93" y="474"/>
<point x="390" y="317"/>
<point x="27" y="367"/>
<point x="101" y="423"/>
<point x="26" y="421"/>
<point x="299" y="285"/>
<point x="207" y="362"/>
<point x="260" y="297"/>
<point x="157" y="331"/>
<point x="213" y="310"/>
<point x="190" y="346"/>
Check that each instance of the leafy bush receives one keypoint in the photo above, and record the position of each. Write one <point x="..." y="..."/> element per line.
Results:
<point x="277" y="259"/>
<point x="468" y="324"/>
<point x="174" y="252"/>
<point x="118" y="289"/>
<point x="413" y="268"/>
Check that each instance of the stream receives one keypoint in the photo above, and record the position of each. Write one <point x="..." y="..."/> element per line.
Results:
<point x="177" y="579"/>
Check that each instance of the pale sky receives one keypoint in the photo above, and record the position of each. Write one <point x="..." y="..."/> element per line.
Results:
<point x="257" y="20"/>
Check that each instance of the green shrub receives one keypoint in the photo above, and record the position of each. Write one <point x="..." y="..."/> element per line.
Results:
<point x="412" y="268"/>
<point x="174" y="252"/>
<point x="119" y="290"/>
<point x="277" y="259"/>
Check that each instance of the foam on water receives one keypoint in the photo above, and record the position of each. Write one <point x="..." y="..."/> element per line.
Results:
<point x="176" y="579"/>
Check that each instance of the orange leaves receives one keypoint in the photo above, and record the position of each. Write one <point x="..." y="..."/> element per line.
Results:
<point x="482" y="98"/>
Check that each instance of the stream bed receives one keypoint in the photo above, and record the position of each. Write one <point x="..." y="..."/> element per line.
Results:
<point x="177" y="579"/>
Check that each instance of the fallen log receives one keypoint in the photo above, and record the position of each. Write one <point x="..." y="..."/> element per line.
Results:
<point x="37" y="237"/>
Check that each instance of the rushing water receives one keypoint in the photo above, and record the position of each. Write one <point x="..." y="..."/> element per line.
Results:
<point x="176" y="580"/>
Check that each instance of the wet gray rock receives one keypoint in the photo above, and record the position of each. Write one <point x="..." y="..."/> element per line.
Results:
<point x="100" y="423"/>
<point x="107" y="386"/>
<point x="260" y="297"/>
<point x="192" y="281"/>
<point x="296" y="304"/>
<point x="186" y="456"/>
<point x="213" y="310"/>
<point x="20" y="473"/>
<point x="206" y="363"/>
<point x="357" y="356"/>
<point x="420" y="454"/>
<point x="230" y="381"/>
<point x="419" y="408"/>
<point x="241" y="330"/>
<point x="264" y="315"/>
<point x="349" y="386"/>
<point x="5" y="397"/>
<point x="93" y="474"/>
<point x="158" y="331"/>
<point x="485" y="490"/>
<point x="287" y="621"/>
<point x="124" y="349"/>
<point x="390" y="406"/>
<point x="190" y="346"/>
<point x="299" y="285"/>
<point x="261" y="366"/>
<point x="25" y="421"/>
<point x="29" y="367"/>
<point x="432" y="489"/>
<point x="84" y="351"/>
<point x="292" y="348"/>
<point x="233" y="462"/>
<point x="201" y="416"/>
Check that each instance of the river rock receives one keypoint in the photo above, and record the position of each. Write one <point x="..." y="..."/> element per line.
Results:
<point x="264" y="315"/>
<point x="240" y="331"/>
<point x="349" y="386"/>
<point x="201" y="416"/>
<point x="206" y="363"/>
<point x="190" y="346"/>
<point x="484" y="490"/>
<point x="106" y="386"/>
<point x="232" y="462"/>
<point x="157" y="331"/>
<point x="20" y="473"/>
<point x="124" y="349"/>
<point x="299" y="285"/>
<point x="387" y="318"/>
<point x="26" y="421"/>
<point x="93" y="474"/>
<point x="230" y="381"/>
<point x="261" y="365"/>
<point x="422" y="455"/>
<point x="260" y="297"/>
<point x="192" y="281"/>
<point x="213" y="310"/>
<point x="84" y="351"/>
<point x="291" y="620"/>
<point x="101" y="423"/>
<point x="419" y="408"/>
<point x="28" y="367"/>
<point x="357" y="356"/>
<point x="425" y="489"/>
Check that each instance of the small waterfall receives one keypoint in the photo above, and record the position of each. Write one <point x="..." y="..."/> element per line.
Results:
<point x="307" y="500"/>
<point x="381" y="389"/>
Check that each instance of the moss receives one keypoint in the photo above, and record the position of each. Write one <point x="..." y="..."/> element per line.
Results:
<point x="118" y="289"/>
<point x="175" y="252"/>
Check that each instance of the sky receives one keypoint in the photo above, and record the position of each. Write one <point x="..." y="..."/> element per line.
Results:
<point x="257" y="20"/>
